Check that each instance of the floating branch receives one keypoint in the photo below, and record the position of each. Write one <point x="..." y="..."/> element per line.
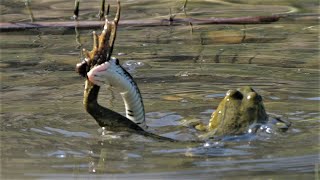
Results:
<point x="12" y="26"/>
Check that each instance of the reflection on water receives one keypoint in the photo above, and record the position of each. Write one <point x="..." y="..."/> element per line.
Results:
<point x="47" y="134"/>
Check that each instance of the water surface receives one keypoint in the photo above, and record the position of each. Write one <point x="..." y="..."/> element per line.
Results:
<point x="46" y="134"/>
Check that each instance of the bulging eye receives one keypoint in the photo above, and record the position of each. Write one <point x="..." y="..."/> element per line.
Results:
<point x="254" y="96"/>
<point x="235" y="94"/>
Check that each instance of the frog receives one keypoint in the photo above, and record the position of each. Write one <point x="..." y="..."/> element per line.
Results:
<point x="238" y="110"/>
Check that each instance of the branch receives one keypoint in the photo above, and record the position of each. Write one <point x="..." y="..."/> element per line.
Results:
<point x="12" y="26"/>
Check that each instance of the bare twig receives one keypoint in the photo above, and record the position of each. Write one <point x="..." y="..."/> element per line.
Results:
<point x="186" y="15"/>
<point x="244" y="33"/>
<point x="76" y="9"/>
<point x="250" y="59"/>
<point x="27" y="3"/>
<point x="75" y="17"/>
<point x="234" y="58"/>
<point x="218" y="55"/>
<point x="108" y="9"/>
<point x="77" y="36"/>
<point x="102" y="10"/>
<point x="184" y="5"/>
<point x="114" y="26"/>
<point x="11" y="26"/>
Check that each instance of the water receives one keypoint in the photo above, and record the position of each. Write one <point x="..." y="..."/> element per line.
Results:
<point x="46" y="134"/>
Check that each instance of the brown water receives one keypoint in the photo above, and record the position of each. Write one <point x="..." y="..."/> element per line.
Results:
<point x="46" y="134"/>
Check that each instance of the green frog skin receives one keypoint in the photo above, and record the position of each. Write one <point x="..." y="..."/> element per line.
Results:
<point x="237" y="111"/>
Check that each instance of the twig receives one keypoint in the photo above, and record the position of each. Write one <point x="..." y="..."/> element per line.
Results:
<point x="250" y="59"/>
<point x="184" y="5"/>
<point x="114" y="26"/>
<point x="244" y="33"/>
<point x="76" y="9"/>
<point x="75" y="17"/>
<point x="11" y="26"/>
<point x="77" y="36"/>
<point x="27" y="3"/>
<point x="102" y="10"/>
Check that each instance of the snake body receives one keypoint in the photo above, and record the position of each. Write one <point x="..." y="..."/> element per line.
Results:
<point x="115" y="75"/>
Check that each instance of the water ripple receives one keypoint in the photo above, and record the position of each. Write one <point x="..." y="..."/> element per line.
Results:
<point x="68" y="133"/>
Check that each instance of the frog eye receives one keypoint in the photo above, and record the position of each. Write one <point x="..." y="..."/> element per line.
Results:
<point x="259" y="98"/>
<point x="235" y="94"/>
<point x="254" y="96"/>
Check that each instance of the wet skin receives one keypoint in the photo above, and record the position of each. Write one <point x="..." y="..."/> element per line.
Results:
<point x="236" y="112"/>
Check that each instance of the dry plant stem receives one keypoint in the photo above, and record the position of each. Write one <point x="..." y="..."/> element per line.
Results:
<point x="75" y="16"/>
<point x="11" y="26"/>
<point x="76" y="9"/>
<point x="184" y="5"/>
<point x="102" y="10"/>
<point x="77" y="36"/>
<point x="27" y="3"/>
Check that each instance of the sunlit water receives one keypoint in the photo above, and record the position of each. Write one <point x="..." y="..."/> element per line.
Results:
<point x="45" y="132"/>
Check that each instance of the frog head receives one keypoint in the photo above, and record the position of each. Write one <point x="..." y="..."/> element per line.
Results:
<point x="237" y="111"/>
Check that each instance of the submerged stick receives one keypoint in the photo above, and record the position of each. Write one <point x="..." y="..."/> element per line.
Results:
<point x="11" y="26"/>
